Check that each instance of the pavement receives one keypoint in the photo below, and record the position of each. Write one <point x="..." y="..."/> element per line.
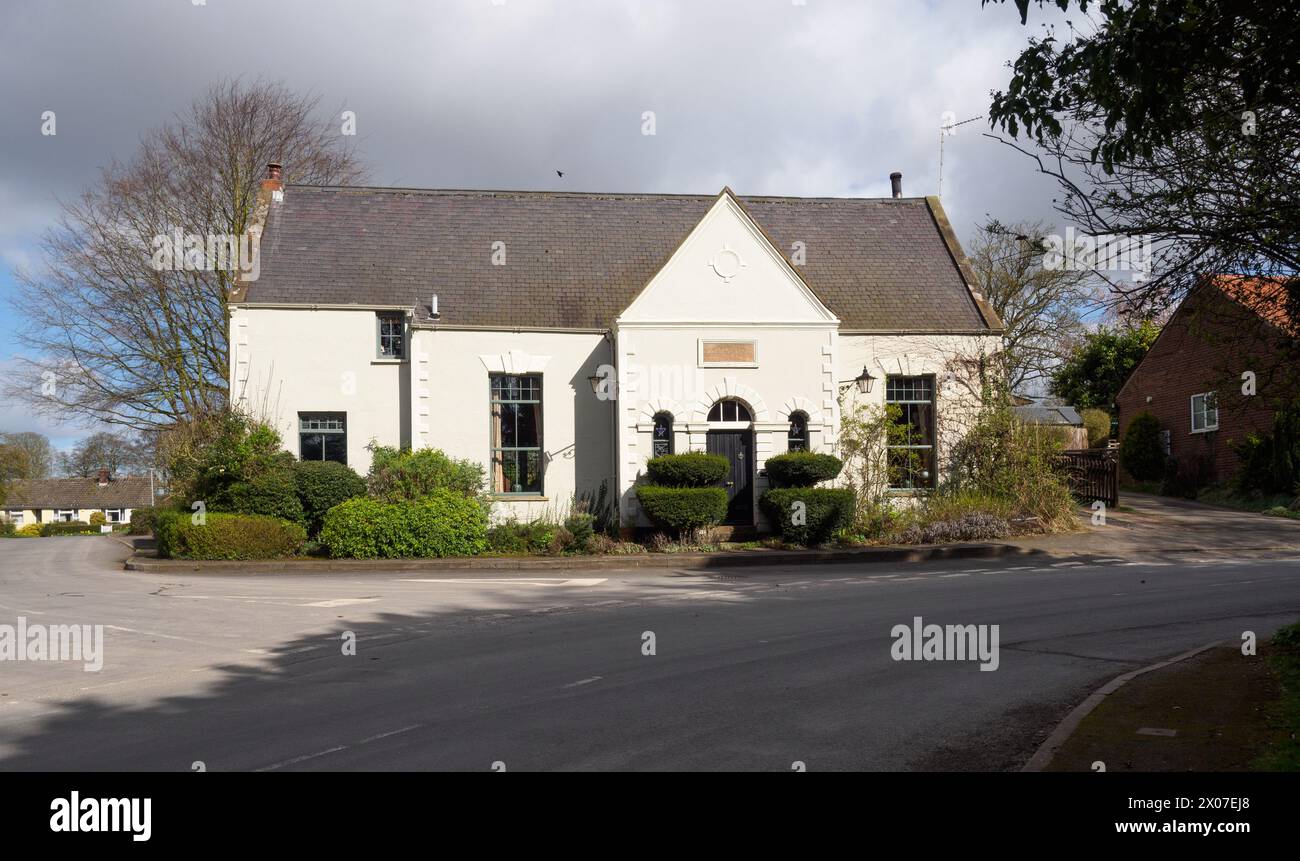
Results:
<point x="753" y="668"/>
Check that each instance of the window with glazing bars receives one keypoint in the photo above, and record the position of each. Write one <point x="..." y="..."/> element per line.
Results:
<point x="323" y="436"/>
<point x="911" y="440"/>
<point x="516" y="433"/>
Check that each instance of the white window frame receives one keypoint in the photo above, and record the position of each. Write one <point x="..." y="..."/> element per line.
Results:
<point x="14" y="516"/>
<point x="113" y="515"/>
<point x="1205" y="412"/>
<point x="65" y="515"/>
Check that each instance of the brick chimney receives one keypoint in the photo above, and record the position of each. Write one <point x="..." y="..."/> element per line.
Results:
<point x="103" y="477"/>
<point x="896" y="184"/>
<point x="273" y="181"/>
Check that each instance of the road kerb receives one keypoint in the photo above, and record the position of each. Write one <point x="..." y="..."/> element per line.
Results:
<point x="1047" y="750"/>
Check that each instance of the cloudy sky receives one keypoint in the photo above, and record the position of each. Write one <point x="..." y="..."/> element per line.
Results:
<point x="810" y="97"/>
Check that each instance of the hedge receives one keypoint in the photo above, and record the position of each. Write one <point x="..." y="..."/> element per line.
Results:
<point x="445" y="523"/>
<point x="802" y="468"/>
<point x="1141" y="452"/>
<point x="323" y="484"/>
<point x="74" y="527"/>
<point x="226" y="536"/>
<point x="406" y="475"/>
<point x="690" y="469"/>
<point x="142" y="520"/>
<point x="683" y="508"/>
<point x="824" y="511"/>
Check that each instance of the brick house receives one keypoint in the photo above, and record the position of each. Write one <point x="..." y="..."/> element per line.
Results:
<point x="1230" y="334"/>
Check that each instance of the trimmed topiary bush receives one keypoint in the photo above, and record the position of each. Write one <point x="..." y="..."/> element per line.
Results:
<point x="97" y="518"/>
<point x="323" y="484"/>
<point x="802" y="468"/>
<point x="689" y="469"/>
<point x="1140" y="452"/>
<point x="808" y="515"/>
<point x="683" y="509"/>
<point x="226" y="536"/>
<point x="444" y="523"/>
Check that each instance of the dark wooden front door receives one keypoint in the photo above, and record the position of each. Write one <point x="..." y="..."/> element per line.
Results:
<point x="738" y="447"/>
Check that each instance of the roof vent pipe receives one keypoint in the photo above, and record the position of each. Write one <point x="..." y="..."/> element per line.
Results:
<point x="896" y="184"/>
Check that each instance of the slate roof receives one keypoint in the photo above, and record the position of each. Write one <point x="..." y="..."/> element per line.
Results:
<point x="1049" y="414"/>
<point x="577" y="260"/>
<point x="131" y="491"/>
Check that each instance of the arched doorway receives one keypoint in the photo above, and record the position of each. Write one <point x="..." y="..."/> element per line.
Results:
<point x="731" y="434"/>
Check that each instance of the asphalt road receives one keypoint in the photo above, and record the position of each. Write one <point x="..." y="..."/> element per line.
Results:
<point x="754" y="668"/>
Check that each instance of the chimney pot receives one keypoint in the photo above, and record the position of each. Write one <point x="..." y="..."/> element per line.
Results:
<point x="103" y="477"/>
<point x="273" y="181"/>
<point x="896" y="184"/>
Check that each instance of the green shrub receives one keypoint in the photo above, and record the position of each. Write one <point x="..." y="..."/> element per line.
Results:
<point x="443" y="523"/>
<point x="97" y="518"/>
<point x="581" y="526"/>
<point x="226" y="536"/>
<point x="1097" y="423"/>
<point x="406" y="475"/>
<point x="142" y="520"/>
<point x="272" y="492"/>
<point x="1004" y="458"/>
<point x="808" y="515"/>
<point x="8" y="529"/>
<point x="802" y="468"/>
<point x="689" y="469"/>
<point x="321" y="485"/>
<point x="1141" y="452"/>
<point x="683" y="509"/>
<point x="74" y="527"/>
<point x="513" y="538"/>
<point x="30" y="530"/>
<point x="211" y="453"/>
<point x="1270" y="463"/>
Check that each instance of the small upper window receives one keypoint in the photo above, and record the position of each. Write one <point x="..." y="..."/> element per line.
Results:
<point x="797" y="438"/>
<point x="729" y="411"/>
<point x="663" y="434"/>
<point x="1205" y="412"/>
<point x="392" y="336"/>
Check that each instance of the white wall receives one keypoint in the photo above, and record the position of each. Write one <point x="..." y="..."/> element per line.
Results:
<point x="451" y="406"/>
<point x="287" y="361"/>
<point x="952" y="359"/>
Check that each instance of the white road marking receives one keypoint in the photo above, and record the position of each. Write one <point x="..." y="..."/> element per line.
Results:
<point x="390" y="733"/>
<point x="584" y="682"/>
<point x="340" y="602"/>
<point x="304" y="758"/>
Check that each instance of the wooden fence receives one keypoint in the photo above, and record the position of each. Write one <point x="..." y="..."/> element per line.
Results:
<point x="1093" y="474"/>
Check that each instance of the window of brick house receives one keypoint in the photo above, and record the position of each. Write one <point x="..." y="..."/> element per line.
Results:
<point x="1205" y="412"/>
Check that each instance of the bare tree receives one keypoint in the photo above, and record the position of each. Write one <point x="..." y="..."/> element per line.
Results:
<point x="113" y="337"/>
<point x="1042" y="308"/>
<point x="113" y="452"/>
